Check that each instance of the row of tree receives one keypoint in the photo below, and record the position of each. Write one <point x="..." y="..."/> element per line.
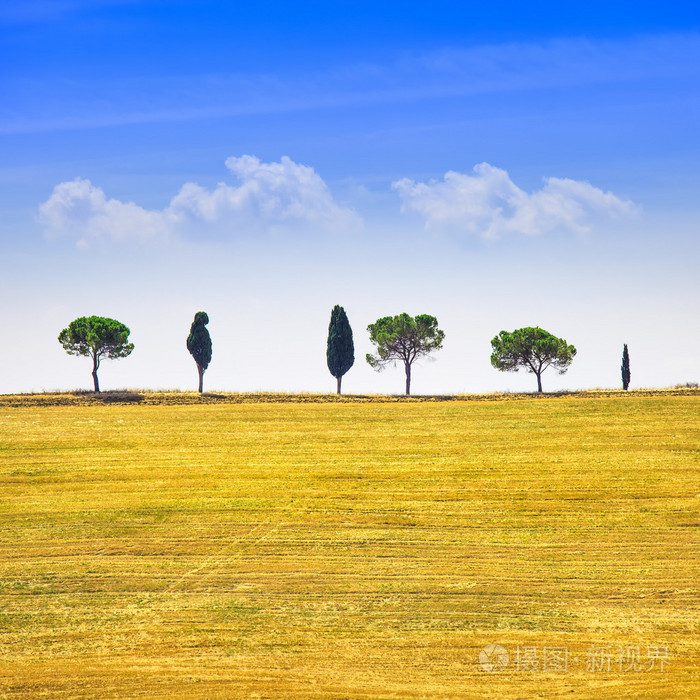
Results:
<point x="404" y="339"/>
<point x="397" y="339"/>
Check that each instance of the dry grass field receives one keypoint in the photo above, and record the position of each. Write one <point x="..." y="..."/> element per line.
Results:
<point x="176" y="547"/>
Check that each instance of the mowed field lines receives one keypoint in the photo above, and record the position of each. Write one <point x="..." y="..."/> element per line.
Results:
<point x="352" y="550"/>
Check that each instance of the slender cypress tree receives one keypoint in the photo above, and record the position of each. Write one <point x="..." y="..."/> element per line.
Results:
<point x="340" y="351"/>
<point x="199" y="344"/>
<point x="625" y="368"/>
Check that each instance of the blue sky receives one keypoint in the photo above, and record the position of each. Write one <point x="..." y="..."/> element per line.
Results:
<point x="496" y="166"/>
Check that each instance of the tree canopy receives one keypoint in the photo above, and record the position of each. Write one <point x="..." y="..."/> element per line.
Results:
<point x="626" y="375"/>
<point x="340" y="350"/>
<point x="98" y="338"/>
<point x="199" y="345"/>
<point x="403" y="338"/>
<point x="533" y="349"/>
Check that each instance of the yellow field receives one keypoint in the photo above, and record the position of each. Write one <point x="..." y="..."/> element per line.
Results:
<point x="355" y="549"/>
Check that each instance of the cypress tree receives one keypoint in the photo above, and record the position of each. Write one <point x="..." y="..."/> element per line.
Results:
<point x="625" y="368"/>
<point x="199" y="344"/>
<point x="340" y="351"/>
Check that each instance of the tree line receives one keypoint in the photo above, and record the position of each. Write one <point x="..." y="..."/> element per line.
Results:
<point x="401" y="339"/>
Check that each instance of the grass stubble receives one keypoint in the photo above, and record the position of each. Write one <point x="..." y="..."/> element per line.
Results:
<point x="351" y="550"/>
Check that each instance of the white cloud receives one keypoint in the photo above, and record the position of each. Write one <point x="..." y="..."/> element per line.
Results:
<point x="269" y="196"/>
<point x="79" y="208"/>
<point x="269" y="193"/>
<point x="489" y="204"/>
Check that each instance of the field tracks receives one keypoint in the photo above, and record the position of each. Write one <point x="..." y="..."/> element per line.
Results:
<point x="215" y="561"/>
<point x="325" y="551"/>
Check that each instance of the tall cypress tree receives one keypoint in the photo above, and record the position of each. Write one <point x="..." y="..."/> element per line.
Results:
<point x="625" y="368"/>
<point x="199" y="344"/>
<point x="340" y="352"/>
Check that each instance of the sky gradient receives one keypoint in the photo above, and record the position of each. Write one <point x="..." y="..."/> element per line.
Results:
<point x="490" y="166"/>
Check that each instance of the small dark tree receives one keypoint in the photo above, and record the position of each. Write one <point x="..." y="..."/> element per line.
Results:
<point x="625" y="368"/>
<point x="532" y="349"/>
<point x="96" y="337"/>
<point x="199" y="344"/>
<point x="403" y="339"/>
<point x="340" y="351"/>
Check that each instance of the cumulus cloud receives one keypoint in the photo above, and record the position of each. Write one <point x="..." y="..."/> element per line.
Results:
<point x="83" y="210"/>
<point x="489" y="204"/>
<point x="269" y="192"/>
<point x="269" y="196"/>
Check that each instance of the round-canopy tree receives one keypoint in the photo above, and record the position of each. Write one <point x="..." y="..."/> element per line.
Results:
<point x="96" y="337"/>
<point x="403" y="339"/>
<point x="340" y="351"/>
<point x="533" y="349"/>
<point x="199" y="344"/>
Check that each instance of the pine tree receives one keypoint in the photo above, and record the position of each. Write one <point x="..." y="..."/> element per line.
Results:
<point x="404" y="339"/>
<point x="98" y="338"/>
<point x="340" y="351"/>
<point x="625" y="368"/>
<point x="532" y="349"/>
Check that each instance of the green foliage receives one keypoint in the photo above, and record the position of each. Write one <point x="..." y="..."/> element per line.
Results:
<point x="199" y="345"/>
<point x="199" y="340"/>
<point x="403" y="338"/>
<point x="96" y="337"/>
<point x="340" y="350"/>
<point x="533" y="349"/>
<point x="626" y="375"/>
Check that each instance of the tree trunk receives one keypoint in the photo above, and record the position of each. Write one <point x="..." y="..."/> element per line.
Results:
<point x="339" y="378"/>
<point x="539" y="382"/>
<point x="94" y="375"/>
<point x="201" y="378"/>
<point x="408" y="379"/>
